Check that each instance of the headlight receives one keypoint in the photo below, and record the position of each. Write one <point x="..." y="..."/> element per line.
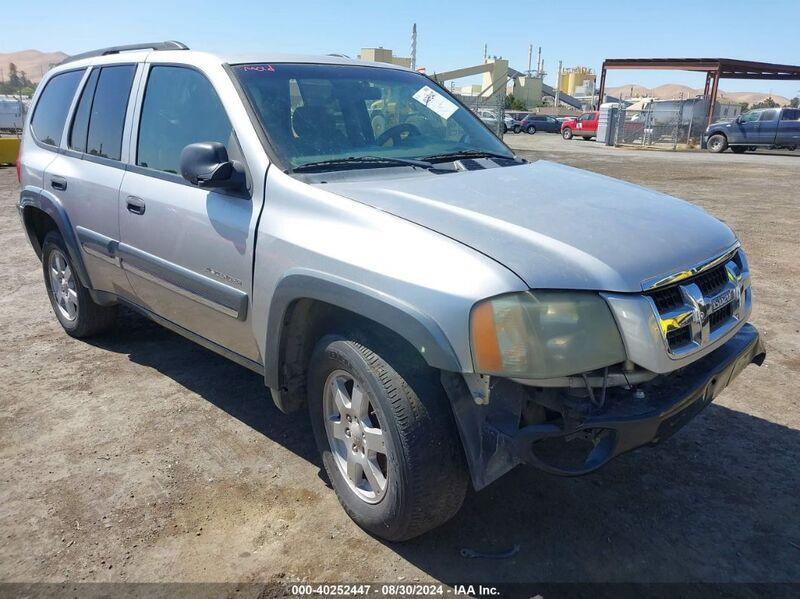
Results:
<point x="544" y="334"/>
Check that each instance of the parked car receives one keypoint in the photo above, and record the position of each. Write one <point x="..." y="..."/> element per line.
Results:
<point x="437" y="333"/>
<point x="540" y="122"/>
<point x="490" y="118"/>
<point x="584" y="126"/>
<point x="775" y="128"/>
<point x="511" y="124"/>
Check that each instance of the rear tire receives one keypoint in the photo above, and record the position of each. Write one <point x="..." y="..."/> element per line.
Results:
<point x="385" y="392"/>
<point x="517" y="129"/>
<point x="531" y="130"/>
<point x="717" y="143"/>
<point x="74" y="307"/>
<point x="566" y="133"/>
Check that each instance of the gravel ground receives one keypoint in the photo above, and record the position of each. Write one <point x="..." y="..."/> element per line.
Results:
<point x="142" y="457"/>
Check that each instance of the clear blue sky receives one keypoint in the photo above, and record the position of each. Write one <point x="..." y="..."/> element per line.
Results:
<point x="451" y="34"/>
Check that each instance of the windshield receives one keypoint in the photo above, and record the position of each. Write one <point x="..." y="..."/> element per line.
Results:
<point x="319" y="113"/>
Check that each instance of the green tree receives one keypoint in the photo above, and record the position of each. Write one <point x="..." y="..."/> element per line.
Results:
<point x="513" y="103"/>
<point x="767" y="102"/>
<point x="795" y="102"/>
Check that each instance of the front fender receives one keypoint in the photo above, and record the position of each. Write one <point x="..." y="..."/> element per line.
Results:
<point x="409" y="322"/>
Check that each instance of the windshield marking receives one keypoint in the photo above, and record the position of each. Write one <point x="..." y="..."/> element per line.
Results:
<point x="435" y="101"/>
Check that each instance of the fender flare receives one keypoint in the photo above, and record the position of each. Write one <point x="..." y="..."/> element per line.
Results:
<point x="38" y="199"/>
<point x="413" y="325"/>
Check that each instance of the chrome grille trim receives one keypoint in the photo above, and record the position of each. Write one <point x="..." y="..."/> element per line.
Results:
<point x="698" y="310"/>
<point x="662" y="281"/>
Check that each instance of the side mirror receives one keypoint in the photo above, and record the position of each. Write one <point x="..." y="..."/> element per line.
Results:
<point x="206" y="165"/>
<point x="739" y="119"/>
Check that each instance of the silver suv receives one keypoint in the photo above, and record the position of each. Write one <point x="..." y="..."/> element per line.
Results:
<point x="445" y="309"/>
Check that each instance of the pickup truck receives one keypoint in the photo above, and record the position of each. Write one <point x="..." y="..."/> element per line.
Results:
<point x="773" y="128"/>
<point x="584" y="126"/>
<point x="444" y="309"/>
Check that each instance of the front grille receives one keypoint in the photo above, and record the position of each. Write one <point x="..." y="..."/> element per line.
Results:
<point x="686" y="304"/>
<point x="712" y="281"/>
<point x="679" y="337"/>
<point x="718" y="318"/>
<point x="667" y="299"/>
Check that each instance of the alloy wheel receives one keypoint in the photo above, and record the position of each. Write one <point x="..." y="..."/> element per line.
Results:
<point x="63" y="286"/>
<point x="355" y="436"/>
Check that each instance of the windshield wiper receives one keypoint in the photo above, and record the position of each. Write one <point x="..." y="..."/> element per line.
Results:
<point x="468" y="154"/>
<point x="373" y="160"/>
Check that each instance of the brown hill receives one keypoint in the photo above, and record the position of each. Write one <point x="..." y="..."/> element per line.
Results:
<point x="33" y="62"/>
<point x="671" y="91"/>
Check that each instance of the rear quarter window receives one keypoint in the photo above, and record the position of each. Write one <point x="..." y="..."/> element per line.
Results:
<point x="51" y="110"/>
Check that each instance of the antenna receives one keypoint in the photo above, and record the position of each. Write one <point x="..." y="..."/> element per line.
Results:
<point x="414" y="47"/>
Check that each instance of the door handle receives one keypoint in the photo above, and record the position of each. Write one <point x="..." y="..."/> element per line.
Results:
<point x="59" y="183"/>
<point x="135" y="205"/>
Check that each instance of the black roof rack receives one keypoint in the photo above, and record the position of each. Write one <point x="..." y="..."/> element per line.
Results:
<point x="168" y="45"/>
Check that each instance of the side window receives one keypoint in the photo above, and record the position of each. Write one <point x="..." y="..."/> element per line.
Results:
<point x="80" y="122"/>
<point x="107" y="118"/>
<point x="791" y="114"/>
<point x="51" y="110"/>
<point x="180" y="108"/>
<point x="769" y="115"/>
<point x="749" y="117"/>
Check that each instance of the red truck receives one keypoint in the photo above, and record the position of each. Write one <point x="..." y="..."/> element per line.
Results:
<point x="584" y="126"/>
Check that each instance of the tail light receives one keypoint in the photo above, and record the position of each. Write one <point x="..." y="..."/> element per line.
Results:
<point x="19" y="163"/>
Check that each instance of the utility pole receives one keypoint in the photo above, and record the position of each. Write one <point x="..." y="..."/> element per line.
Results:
<point x="414" y="47"/>
<point x="558" y="85"/>
<point x="485" y="52"/>
<point x="539" y="63"/>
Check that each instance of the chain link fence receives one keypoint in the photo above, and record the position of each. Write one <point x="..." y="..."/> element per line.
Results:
<point x="490" y="109"/>
<point x="669" y="124"/>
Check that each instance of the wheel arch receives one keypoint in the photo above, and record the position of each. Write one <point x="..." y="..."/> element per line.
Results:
<point x="42" y="213"/>
<point x="306" y="306"/>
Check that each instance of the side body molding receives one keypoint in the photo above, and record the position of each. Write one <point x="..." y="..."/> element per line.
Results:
<point x="417" y="328"/>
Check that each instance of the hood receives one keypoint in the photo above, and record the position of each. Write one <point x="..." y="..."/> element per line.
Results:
<point x="555" y="226"/>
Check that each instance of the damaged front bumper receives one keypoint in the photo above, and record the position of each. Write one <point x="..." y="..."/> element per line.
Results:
<point x="495" y="440"/>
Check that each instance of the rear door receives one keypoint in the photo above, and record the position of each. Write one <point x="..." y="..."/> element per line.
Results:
<point x="789" y="128"/>
<point x="188" y="252"/>
<point x="768" y="126"/>
<point x="88" y="172"/>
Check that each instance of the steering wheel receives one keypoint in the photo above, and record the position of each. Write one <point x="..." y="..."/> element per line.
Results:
<point x="394" y="133"/>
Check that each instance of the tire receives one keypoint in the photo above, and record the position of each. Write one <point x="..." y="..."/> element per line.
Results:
<point x="423" y="470"/>
<point x="74" y="307"/>
<point x="717" y="143"/>
<point x="566" y="133"/>
<point x="738" y="149"/>
<point x="531" y="130"/>
<point x="517" y="128"/>
<point x="505" y="128"/>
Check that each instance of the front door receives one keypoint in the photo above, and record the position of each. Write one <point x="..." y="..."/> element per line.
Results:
<point x="188" y="252"/>
<point x="748" y="127"/>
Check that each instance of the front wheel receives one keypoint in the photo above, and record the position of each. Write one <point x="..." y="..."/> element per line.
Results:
<point x="383" y="425"/>
<point x="566" y="133"/>
<point x="531" y="130"/>
<point x="717" y="143"/>
<point x="517" y="129"/>
<point x="74" y="307"/>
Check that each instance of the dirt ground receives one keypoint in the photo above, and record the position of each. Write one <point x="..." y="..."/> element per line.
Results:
<point x="142" y="457"/>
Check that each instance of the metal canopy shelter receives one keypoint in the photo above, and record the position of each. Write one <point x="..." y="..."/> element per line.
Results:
<point x="714" y="68"/>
